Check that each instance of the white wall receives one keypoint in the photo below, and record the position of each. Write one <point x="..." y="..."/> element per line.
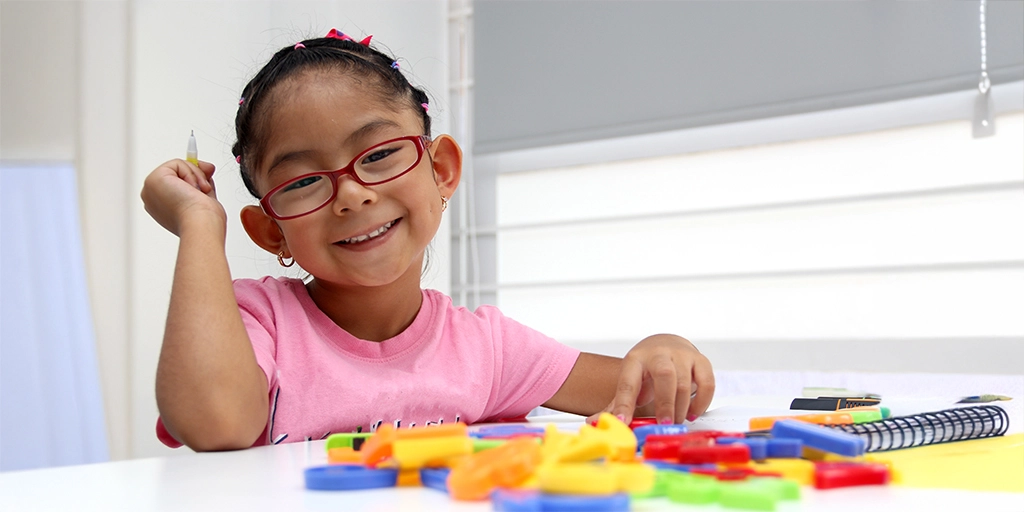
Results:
<point x="39" y="105"/>
<point x="107" y="198"/>
<point x="116" y="86"/>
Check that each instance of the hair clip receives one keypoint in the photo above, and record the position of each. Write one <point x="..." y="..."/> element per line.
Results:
<point x="335" y="34"/>
<point x="238" y="159"/>
<point x="241" y="100"/>
<point x="299" y="45"/>
<point x="426" y="107"/>
<point x="394" y="65"/>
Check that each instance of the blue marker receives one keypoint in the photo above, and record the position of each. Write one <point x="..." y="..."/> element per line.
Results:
<point x="529" y="501"/>
<point x="821" y="438"/>
<point x="504" y="431"/>
<point x="435" y="478"/>
<point x="672" y="466"/>
<point x="341" y="477"/>
<point x="782" y="448"/>
<point x="641" y="433"/>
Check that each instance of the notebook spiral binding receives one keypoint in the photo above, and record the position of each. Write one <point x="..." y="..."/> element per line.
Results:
<point x="931" y="428"/>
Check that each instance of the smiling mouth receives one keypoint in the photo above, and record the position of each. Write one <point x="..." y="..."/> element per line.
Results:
<point x="369" y="236"/>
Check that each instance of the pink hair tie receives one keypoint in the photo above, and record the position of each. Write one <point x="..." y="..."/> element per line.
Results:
<point x="336" y="34"/>
<point x="241" y="100"/>
<point x="426" y="108"/>
<point x="299" y="45"/>
<point x="238" y="159"/>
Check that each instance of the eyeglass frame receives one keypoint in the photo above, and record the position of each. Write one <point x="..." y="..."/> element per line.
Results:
<point x="422" y="143"/>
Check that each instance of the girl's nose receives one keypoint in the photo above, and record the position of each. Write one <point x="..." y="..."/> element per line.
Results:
<point x="352" y="195"/>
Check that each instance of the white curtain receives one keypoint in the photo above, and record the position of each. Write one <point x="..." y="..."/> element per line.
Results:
<point x="51" y="410"/>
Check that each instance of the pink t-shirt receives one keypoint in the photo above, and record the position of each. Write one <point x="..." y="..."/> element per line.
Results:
<point x="449" y="365"/>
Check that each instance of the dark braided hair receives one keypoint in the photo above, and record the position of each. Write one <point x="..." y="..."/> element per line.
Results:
<point x="315" y="54"/>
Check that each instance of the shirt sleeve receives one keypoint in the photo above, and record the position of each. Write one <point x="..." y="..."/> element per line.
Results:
<point x="530" y="370"/>
<point x="257" y="310"/>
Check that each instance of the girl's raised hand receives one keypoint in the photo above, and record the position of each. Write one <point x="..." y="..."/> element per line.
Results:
<point x="177" y="189"/>
<point x="663" y="371"/>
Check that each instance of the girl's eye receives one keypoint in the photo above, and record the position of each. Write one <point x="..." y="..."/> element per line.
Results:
<point x="304" y="182"/>
<point x="377" y="156"/>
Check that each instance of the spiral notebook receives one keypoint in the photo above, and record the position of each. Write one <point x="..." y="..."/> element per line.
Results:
<point x="929" y="428"/>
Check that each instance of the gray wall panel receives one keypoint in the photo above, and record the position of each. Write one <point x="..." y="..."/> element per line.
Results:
<point x="557" y="72"/>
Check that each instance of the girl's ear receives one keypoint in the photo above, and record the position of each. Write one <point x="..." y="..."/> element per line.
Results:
<point x="263" y="230"/>
<point x="447" y="158"/>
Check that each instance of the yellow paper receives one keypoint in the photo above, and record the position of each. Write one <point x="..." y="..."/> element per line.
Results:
<point x="991" y="464"/>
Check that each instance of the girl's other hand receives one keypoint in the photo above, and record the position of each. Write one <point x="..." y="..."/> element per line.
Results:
<point x="663" y="371"/>
<point x="178" y="189"/>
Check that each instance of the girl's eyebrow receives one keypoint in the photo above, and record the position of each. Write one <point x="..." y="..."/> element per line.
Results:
<point x="368" y="128"/>
<point x="291" y="155"/>
<point x="373" y="126"/>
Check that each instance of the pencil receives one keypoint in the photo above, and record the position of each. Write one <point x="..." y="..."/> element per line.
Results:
<point x="192" y="155"/>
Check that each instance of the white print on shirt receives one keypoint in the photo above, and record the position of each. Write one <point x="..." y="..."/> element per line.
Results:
<point x="273" y="414"/>
<point x="373" y="427"/>
<point x="398" y="423"/>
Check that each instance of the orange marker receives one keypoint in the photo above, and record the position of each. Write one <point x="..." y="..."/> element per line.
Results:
<point x="343" y="455"/>
<point x="378" y="446"/>
<point x="508" y="465"/>
<point x="766" y="422"/>
<point x="448" y="430"/>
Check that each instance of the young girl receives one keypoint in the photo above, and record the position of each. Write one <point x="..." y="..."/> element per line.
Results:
<point x="271" y="360"/>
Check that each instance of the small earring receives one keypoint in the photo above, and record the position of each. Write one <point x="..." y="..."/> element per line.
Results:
<point x="280" y="259"/>
<point x="444" y="203"/>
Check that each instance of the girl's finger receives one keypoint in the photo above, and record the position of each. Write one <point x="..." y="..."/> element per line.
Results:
<point x="207" y="168"/>
<point x="646" y="392"/>
<point x="705" y="380"/>
<point x="665" y="378"/>
<point x="630" y="379"/>
<point x="201" y="176"/>
<point x="683" y="395"/>
<point x="186" y="173"/>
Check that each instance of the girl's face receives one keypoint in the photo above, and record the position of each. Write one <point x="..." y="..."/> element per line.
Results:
<point x="320" y="121"/>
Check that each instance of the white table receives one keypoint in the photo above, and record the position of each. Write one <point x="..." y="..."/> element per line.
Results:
<point x="271" y="478"/>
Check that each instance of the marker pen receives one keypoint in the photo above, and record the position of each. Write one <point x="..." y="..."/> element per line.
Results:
<point x="192" y="155"/>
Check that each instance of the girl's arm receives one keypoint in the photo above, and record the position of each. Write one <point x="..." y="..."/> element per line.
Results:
<point x="211" y="393"/>
<point x="656" y="378"/>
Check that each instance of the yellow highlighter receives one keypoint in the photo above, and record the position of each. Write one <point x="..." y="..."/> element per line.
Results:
<point x="192" y="155"/>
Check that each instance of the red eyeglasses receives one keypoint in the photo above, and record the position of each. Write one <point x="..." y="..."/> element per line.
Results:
<point x="381" y="163"/>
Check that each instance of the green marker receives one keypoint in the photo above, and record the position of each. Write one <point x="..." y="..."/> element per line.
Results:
<point x="345" y="440"/>
<point x="748" y="496"/>
<point x="783" y="488"/>
<point x="694" y="490"/>
<point x="866" y="416"/>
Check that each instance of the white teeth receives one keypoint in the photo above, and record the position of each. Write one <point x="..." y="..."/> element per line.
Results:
<point x="362" y="238"/>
